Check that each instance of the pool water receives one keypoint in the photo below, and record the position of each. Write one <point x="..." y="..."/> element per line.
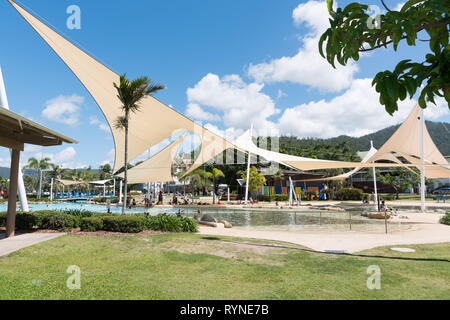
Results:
<point x="302" y="219"/>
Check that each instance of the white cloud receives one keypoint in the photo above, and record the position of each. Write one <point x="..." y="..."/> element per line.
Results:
<point x="356" y="112"/>
<point x="196" y="112"/>
<point x="93" y="120"/>
<point x="65" y="155"/>
<point x="63" y="109"/>
<point x="307" y="67"/>
<point x="30" y="148"/>
<point x="240" y="103"/>
<point x="65" y="158"/>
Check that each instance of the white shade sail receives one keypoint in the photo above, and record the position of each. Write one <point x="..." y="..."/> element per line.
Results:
<point x="406" y="142"/>
<point x="70" y="182"/>
<point x="156" y="169"/>
<point x="100" y="183"/>
<point x="153" y="123"/>
<point x="301" y="163"/>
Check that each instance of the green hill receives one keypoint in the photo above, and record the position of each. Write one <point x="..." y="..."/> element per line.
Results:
<point x="439" y="132"/>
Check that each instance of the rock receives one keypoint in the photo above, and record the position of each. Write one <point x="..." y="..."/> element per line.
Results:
<point x="375" y="215"/>
<point x="226" y="224"/>
<point x="208" y="218"/>
<point x="209" y="224"/>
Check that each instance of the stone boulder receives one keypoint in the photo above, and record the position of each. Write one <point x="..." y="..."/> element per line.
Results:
<point x="226" y="224"/>
<point x="208" y="218"/>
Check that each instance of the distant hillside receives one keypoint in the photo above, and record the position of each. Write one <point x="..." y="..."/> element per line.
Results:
<point x="437" y="130"/>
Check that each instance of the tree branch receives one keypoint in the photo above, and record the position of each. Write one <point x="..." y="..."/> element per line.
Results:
<point x="385" y="6"/>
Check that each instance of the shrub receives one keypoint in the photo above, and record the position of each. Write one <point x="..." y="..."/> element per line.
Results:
<point x="446" y="218"/>
<point x="273" y="197"/>
<point x="280" y="197"/>
<point x="58" y="221"/>
<point x="349" y="194"/>
<point x="79" y="213"/>
<point x="3" y="216"/>
<point x="188" y="224"/>
<point x="90" y="224"/>
<point x="26" y="221"/>
<point x="171" y="224"/>
<point x="388" y="197"/>
<point x="125" y="224"/>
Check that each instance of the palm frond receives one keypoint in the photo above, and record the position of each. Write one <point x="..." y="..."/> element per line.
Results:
<point x="120" y="123"/>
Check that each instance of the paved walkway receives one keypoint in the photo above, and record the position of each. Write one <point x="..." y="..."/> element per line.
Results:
<point x="426" y="229"/>
<point x="9" y="245"/>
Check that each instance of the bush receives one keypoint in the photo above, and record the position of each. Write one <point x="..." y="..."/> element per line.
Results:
<point x="3" y="216"/>
<point x="79" y="213"/>
<point x="171" y="224"/>
<point x="387" y="197"/>
<point x="349" y="194"/>
<point x="125" y="224"/>
<point x="26" y="221"/>
<point x="446" y="218"/>
<point x="91" y="224"/>
<point x="57" y="221"/>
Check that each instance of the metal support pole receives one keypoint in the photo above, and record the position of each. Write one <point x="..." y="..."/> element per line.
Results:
<point x="120" y="192"/>
<point x="21" y="187"/>
<point x="51" y="191"/>
<point x="248" y="169"/>
<point x="422" y="161"/>
<point x="374" y="178"/>
<point x="350" y="220"/>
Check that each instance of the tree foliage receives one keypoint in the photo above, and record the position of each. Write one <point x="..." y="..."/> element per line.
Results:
<point x="400" y="179"/>
<point x="353" y="31"/>
<point x="256" y="179"/>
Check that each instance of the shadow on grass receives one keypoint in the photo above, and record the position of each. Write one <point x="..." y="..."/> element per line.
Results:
<point x="326" y="253"/>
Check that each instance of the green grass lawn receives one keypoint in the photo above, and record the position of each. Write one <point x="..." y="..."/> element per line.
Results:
<point x="191" y="266"/>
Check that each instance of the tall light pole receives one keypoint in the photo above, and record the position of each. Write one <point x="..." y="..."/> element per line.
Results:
<point x="374" y="178"/>
<point x="20" y="187"/>
<point x="422" y="161"/>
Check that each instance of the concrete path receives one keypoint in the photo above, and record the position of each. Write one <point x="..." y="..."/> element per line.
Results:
<point x="426" y="229"/>
<point x="9" y="245"/>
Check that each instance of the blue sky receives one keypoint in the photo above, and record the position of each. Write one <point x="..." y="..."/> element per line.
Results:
<point x="225" y="63"/>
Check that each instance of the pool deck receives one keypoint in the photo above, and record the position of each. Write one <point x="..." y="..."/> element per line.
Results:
<point x="426" y="229"/>
<point x="20" y="241"/>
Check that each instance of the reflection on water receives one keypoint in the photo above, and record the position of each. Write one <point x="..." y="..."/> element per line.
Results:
<point x="303" y="219"/>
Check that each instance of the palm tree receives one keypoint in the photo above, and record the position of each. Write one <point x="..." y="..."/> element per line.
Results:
<point x="43" y="164"/>
<point x="130" y="94"/>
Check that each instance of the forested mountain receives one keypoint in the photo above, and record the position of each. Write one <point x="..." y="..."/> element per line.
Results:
<point x="343" y="147"/>
<point x="439" y="131"/>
